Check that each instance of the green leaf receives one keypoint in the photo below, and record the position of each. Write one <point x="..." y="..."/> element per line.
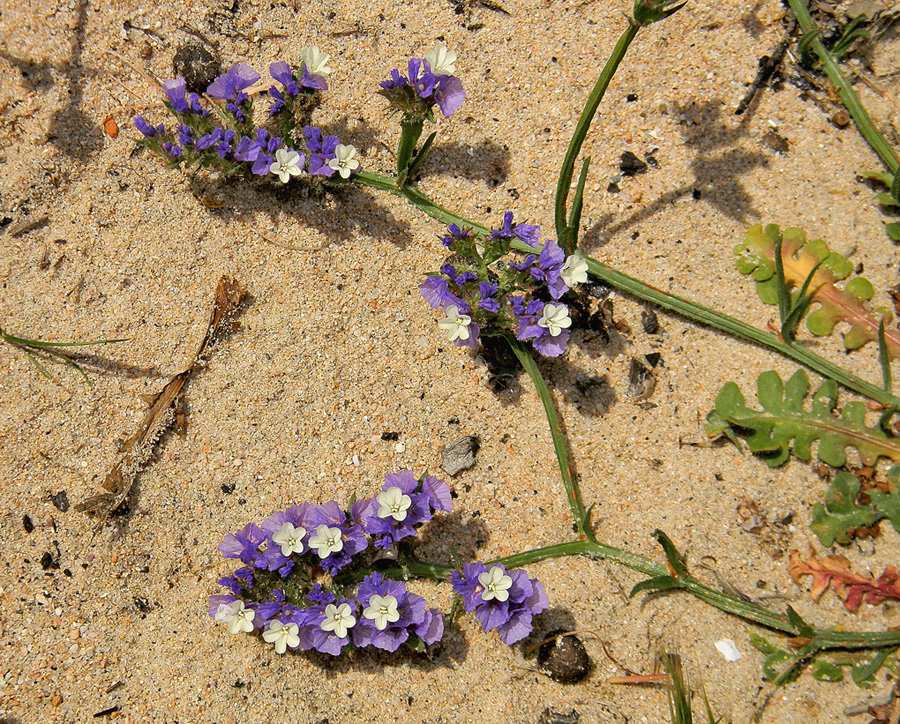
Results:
<point x="659" y="583"/>
<point x="826" y="671"/>
<point x="887" y="504"/>
<point x="783" y="425"/>
<point x="863" y="675"/>
<point x="812" y="262"/>
<point x="840" y="514"/>
<point x="886" y="199"/>
<point x="893" y="230"/>
<point x="675" y="559"/>
<point x="775" y="656"/>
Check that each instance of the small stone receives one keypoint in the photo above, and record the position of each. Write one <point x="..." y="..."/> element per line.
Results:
<point x="641" y="382"/>
<point x="564" y="658"/>
<point x="61" y="501"/>
<point x="775" y="142"/>
<point x="197" y="66"/>
<point x="631" y="165"/>
<point x="27" y="523"/>
<point x="650" y="321"/>
<point x="841" y="119"/>
<point x="459" y="455"/>
<point x="548" y="716"/>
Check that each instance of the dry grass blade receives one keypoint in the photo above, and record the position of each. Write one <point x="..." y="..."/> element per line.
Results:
<point x="165" y="408"/>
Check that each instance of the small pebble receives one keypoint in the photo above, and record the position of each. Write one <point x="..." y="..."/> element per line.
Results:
<point x="459" y="455"/>
<point x="563" y="658"/>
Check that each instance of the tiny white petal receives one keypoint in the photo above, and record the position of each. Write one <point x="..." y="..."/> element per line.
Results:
<point x="338" y="619"/>
<point x="496" y="584"/>
<point x="344" y="162"/>
<point x="393" y="504"/>
<point x="286" y="164"/>
<point x="326" y="541"/>
<point x="382" y="610"/>
<point x="238" y="618"/>
<point x="555" y="318"/>
<point x="728" y="649"/>
<point x="290" y="539"/>
<point x="441" y="61"/>
<point x="574" y="271"/>
<point x="316" y="62"/>
<point x="455" y="324"/>
<point x="282" y="635"/>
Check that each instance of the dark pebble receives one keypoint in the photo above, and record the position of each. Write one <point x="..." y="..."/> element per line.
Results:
<point x="27" y="524"/>
<point x="564" y="658"/>
<point x="61" y="501"/>
<point x="641" y="382"/>
<point x="631" y="165"/>
<point x="197" y="66"/>
<point x="548" y="716"/>
<point x="650" y="321"/>
<point x="390" y="436"/>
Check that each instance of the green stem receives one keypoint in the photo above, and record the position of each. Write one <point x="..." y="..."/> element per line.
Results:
<point x="573" y="494"/>
<point x="747" y="610"/>
<point x="848" y="97"/>
<point x="410" y="131"/>
<point x="563" y="231"/>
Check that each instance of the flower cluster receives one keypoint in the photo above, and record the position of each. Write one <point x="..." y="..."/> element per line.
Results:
<point x="429" y="81"/>
<point x="500" y="599"/>
<point x="480" y="292"/>
<point x="228" y="138"/>
<point x="278" y="591"/>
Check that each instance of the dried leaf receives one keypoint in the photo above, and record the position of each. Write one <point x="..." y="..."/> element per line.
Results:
<point x="851" y="587"/>
<point x="165" y="408"/>
<point x="756" y="256"/>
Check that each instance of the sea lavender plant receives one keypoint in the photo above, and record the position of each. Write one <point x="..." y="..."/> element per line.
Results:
<point x="307" y="581"/>
<point x="481" y="292"/>
<point x="229" y="140"/>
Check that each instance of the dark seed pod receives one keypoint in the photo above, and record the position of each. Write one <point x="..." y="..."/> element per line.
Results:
<point x="197" y="65"/>
<point x="563" y="657"/>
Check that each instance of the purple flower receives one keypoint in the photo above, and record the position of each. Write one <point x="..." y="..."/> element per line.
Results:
<point x="548" y="268"/>
<point x="247" y="150"/>
<point x="223" y="147"/>
<point x="282" y="72"/>
<point x="536" y="326"/>
<point x="173" y="149"/>
<point x="397" y="81"/>
<point x="262" y="165"/>
<point x="455" y="234"/>
<point x="499" y="599"/>
<point x="145" y="128"/>
<point x="389" y="611"/>
<point x="421" y="77"/>
<point x="352" y="541"/>
<point x="228" y="85"/>
<point x="185" y="135"/>
<point x="244" y="544"/>
<point x="232" y="584"/>
<point x="325" y="626"/>
<point x="316" y="82"/>
<point x="209" y="140"/>
<point x="488" y="303"/>
<point x="321" y="150"/>
<point x="449" y="94"/>
<point x="175" y="90"/>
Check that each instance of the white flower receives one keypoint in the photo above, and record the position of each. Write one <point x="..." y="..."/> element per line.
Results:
<point x="382" y="610"/>
<point x="343" y="161"/>
<point x="455" y="324"/>
<point x="575" y="270"/>
<point x="238" y="618"/>
<point x="286" y="164"/>
<point x="728" y="649"/>
<point x="290" y="539"/>
<point x="282" y="635"/>
<point x="555" y="318"/>
<point x="441" y="61"/>
<point x="326" y="541"/>
<point x="338" y="619"/>
<point x="316" y="63"/>
<point x="496" y="584"/>
<point x="393" y="504"/>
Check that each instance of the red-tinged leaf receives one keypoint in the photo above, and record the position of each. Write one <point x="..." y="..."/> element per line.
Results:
<point x="852" y="588"/>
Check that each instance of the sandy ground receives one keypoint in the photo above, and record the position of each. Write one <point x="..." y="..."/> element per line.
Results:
<point x="337" y="348"/>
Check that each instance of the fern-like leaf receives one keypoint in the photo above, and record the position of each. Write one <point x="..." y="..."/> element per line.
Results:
<point x="756" y="256"/>
<point x="783" y="423"/>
